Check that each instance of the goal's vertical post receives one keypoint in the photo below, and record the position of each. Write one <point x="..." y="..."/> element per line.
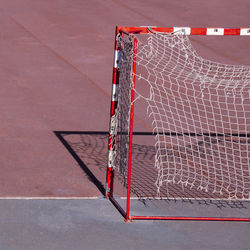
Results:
<point x="113" y="121"/>
<point x="131" y="130"/>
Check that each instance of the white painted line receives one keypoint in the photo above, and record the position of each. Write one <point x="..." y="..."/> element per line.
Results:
<point x="51" y="198"/>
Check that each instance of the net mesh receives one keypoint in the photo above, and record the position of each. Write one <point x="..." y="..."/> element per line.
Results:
<point x="199" y="111"/>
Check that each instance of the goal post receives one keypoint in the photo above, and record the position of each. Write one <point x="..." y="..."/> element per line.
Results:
<point x="196" y="113"/>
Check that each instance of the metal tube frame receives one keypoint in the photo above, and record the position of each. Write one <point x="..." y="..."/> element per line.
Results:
<point x="114" y="102"/>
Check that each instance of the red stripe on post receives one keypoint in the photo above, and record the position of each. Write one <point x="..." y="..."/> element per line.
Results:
<point x="117" y="30"/>
<point x="133" y="30"/>
<point x="167" y="30"/>
<point x="116" y="74"/>
<point x="231" y="31"/>
<point x="109" y="182"/>
<point x="198" y="31"/>
<point x="113" y="108"/>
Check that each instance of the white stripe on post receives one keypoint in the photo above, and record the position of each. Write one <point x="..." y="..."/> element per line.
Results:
<point x="245" y="31"/>
<point x="116" y="58"/>
<point x="215" y="31"/>
<point x="185" y="30"/>
<point x="111" y="159"/>
<point x="115" y="92"/>
<point x="113" y="125"/>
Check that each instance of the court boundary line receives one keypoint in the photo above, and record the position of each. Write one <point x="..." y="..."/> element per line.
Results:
<point x="51" y="198"/>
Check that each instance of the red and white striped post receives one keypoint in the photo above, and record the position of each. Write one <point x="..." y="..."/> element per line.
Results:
<point x="113" y="121"/>
<point x="113" y="129"/>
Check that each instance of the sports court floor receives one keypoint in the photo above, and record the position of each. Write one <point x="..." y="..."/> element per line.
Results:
<point x="56" y="60"/>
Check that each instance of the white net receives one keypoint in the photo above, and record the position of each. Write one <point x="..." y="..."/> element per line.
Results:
<point x="199" y="111"/>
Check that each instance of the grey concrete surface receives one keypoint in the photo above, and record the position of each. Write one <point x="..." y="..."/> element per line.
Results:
<point x="96" y="224"/>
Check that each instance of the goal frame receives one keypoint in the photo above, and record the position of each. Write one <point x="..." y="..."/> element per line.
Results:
<point x="110" y="173"/>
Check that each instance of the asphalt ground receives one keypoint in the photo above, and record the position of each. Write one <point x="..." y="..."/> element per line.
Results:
<point x="96" y="224"/>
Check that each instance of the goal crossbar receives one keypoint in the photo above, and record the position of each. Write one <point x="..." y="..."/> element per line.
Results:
<point x="113" y="133"/>
<point x="188" y="30"/>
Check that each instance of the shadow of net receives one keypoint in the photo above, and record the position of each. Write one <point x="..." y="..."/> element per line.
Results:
<point x="92" y="150"/>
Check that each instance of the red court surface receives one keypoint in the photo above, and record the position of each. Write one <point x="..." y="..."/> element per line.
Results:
<point x="56" y="68"/>
<point x="56" y="61"/>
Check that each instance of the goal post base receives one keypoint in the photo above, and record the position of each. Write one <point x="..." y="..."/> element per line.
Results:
<point x="109" y="182"/>
<point x="131" y="218"/>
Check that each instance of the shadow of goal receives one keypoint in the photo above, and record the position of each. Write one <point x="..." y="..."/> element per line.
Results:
<point x="89" y="149"/>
